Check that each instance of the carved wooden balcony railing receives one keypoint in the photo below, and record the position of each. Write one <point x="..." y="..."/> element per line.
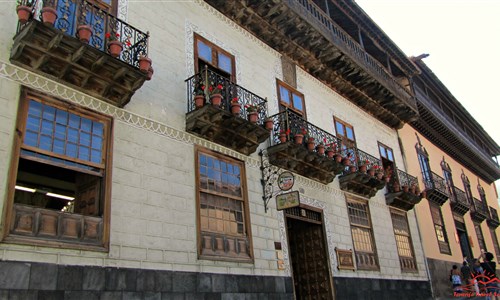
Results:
<point x="288" y="152"/>
<point x="403" y="191"/>
<point x="306" y="34"/>
<point x="493" y="220"/>
<point x="435" y="188"/>
<point x="479" y="211"/>
<point x="459" y="202"/>
<point x="55" y="226"/>
<point x="357" y="178"/>
<point x="218" y="123"/>
<point x="57" y="51"/>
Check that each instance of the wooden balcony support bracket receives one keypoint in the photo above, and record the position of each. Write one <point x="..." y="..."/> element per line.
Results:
<point x="220" y="126"/>
<point x="51" y="52"/>
<point x="403" y="200"/>
<point x="361" y="183"/>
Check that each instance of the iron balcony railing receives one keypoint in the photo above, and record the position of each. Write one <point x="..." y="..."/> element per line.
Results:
<point x="402" y="179"/>
<point x="494" y="214"/>
<point x="479" y="207"/>
<point x="203" y="82"/>
<point x="433" y="181"/>
<point x="105" y="27"/>
<point x="288" y="124"/>
<point x="360" y="158"/>
<point x="348" y="45"/>
<point x="459" y="196"/>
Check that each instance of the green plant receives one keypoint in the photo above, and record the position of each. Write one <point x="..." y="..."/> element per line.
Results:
<point x="251" y="108"/>
<point x="235" y="100"/>
<point x="215" y="89"/>
<point x="199" y="89"/>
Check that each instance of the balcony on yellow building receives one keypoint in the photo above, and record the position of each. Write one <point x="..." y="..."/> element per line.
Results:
<point x="493" y="220"/>
<point x="435" y="188"/>
<point x="403" y="191"/>
<point x="478" y="210"/>
<point x="459" y="202"/>
<point x="71" y="41"/>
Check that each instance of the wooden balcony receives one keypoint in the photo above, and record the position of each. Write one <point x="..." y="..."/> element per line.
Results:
<point x="308" y="34"/>
<point x="479" y="211"/>
<point x="403" y="191"/>
<point x="289" y="150"/>
<point x="357" y="177"/>
<point x="435" y="188"/>
<point x="218" y="123"/>
<point x="56" y="50"/>
<point x="493" y="220"/>
<point x="459" y="202"/>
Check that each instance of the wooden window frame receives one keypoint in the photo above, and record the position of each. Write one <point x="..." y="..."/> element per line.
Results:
<point x="290" y="106"/>
<point x="410" y="241"/>
<point x="375" y="267"/>
<point x="244" y="199"/>
<point x="351" y="143"/>
<point x="442" y="227"/>
<point x="480" y="236"/>
<point x="494" y="240"/>
<point x="215" y="50"/>
<point x="26" y="96"/>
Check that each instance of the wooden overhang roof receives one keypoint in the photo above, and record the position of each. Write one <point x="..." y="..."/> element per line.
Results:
<point x="442" y="130"/>
<point x="304" y="33"/>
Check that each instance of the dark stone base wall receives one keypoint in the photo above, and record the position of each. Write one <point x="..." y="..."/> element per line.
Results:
<point x="381" y="289"/>
<point x="20" y="280"/>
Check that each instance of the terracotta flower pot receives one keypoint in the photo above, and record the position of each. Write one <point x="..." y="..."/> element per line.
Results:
<point x="362" y="168"/>
<point x="299" y="138"/>
<point x="144" y="63"/>
<point x="150" y="73"/>
<point x="84" y="32"/>
<point x="269" y="124"/>
<point x="115" y="48"/>
<point x="321" y="149"/>
<point x="406" y="188"/>
<point x="23" y="13"/>
<point x="352" y="169"/>
<point x="49" y="15"/>
<point x="253" y="117"/>
<point x="310" y="145"/>
<point x="338" y="158"/>
<point x="330" y="153"/>
<point x="346" y="161"/>
<point x="216" y="99"/>
<point x="199" y="101"/>
<point x="282" y="137"/>
<point x="371" y="172"/>
<point x="235" y="108"/>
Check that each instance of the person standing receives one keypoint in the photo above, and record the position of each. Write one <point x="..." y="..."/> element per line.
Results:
<point x="456" y="279"/>
<point x="489" y="267"/>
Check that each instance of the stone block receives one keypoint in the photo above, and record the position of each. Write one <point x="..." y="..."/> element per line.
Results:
<point x="163" y="282"/>
<point x="146" y="280"/>
<point x="94" y="278"/>
<point x="184" y="282"/>
<point x="204" y="283"/>
<point x="111" y="296"/>
<point x="43" y="277"/>
<point x="50" y="295"/>
<point x="81" y="295"/>
<point x="69" y="278"/>
<point x="14" y="275"/>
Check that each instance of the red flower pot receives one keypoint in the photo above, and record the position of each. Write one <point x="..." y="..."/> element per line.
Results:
<point x="23" y="13"/>
<point x="362" y="168"/>
<point x="371" y="172"/>
<point x="269" y="124"/>
<point x="235" y="108"/>
<point x="299" y="138"/>
<point x="338" y="158"/>
<point x="310" y="145"/>
<point x="330" y="153"/>
<point x="115" y="48"/>
<point x="49" y="15"/>
<point x="144" y="64"/>
<point x="199" y="101"/>
<point x="282" y="137"/>
<point x="346" y="161"/>
<point x="84" y="32"/>
<point x="321" y="149"/>
<point x="216" y="99"/>
<point x="150" y="73"/>
<point x="253" y="117"/>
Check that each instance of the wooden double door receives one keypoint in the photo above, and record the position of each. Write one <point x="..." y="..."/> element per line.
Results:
<point x="308" y="254"/>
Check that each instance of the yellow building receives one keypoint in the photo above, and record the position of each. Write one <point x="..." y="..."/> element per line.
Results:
<point x="453" y="155"/>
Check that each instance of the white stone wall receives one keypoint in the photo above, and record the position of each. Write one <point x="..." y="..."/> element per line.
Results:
<point x="153" y="210"/>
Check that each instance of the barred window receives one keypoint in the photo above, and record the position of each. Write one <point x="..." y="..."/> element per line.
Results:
<point x="437" y="219"/>
<point x="223" y="210"/>
<point x="403" y="241"/>
<point x="362" y="235"/>
<point x="480" y="237"/>
<point x="495" y="243"/>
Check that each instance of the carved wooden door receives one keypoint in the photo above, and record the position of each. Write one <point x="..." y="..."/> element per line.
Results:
<point x="309" y="259"/>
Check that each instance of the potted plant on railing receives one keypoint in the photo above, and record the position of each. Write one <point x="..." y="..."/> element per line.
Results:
<point x="49" y="15"/>
<point x="320" y="148"/>
<point x="310" y="142"/>
<point x="144" y="63"/>
<point x="23" y="13"/>
<point x="84" y="33"/>
<point x="235" y="106"/>
<point x="362" y="165"/>
<point x="373" y="170"/>
<point x="330" y="151"/>
<point x="269" y="124"/>
<point x="115" y="47"/>
<point x="299" y="136"/>
<point x="283" y="135"/>
<point x="252" y="112"/>
<point x="215" y="94"/>
<point x="199" y="95"/>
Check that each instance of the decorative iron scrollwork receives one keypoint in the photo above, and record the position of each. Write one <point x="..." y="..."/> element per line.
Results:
<point x="270" y="174"/>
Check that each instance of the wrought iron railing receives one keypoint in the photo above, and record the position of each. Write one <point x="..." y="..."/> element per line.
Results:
<point x="494" y="214"/>
<point x="479" y="207"/>
<point x="105" y="27"/>
<point x="206" y="80"/>
<point x="348" y="45"/>
<point x="360" y="158"/>
<point x="433" y="181"/>
<point x="459" y="196"/>
<point x="406" y="179"/>
<point x="289" y="124"/>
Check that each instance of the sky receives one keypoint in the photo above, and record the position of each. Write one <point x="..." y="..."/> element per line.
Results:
<point x="462" y="38"/>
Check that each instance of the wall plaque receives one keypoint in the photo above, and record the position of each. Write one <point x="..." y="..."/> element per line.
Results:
<point x="344" y="259"/>
<point x="287" y="200"/>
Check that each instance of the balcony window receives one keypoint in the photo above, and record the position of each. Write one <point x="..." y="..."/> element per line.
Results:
<point x="480" y="237"/>
<point x="388" y="164"/>
<point x="345" y="132"/>
<point x="223" y="208"/>
<point x="439" y="228"/>
<point x="494" y="239"/>
<point x="362" y="234"/>
<point x="216" y="59"/>
<point x="290" y="98"/>
<point x="61" y="192"/>
<point x="403" y="241"/>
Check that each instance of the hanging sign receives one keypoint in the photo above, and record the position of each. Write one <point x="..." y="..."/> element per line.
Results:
<point x="286" y="181"/>
<point x="287" y="200"/>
